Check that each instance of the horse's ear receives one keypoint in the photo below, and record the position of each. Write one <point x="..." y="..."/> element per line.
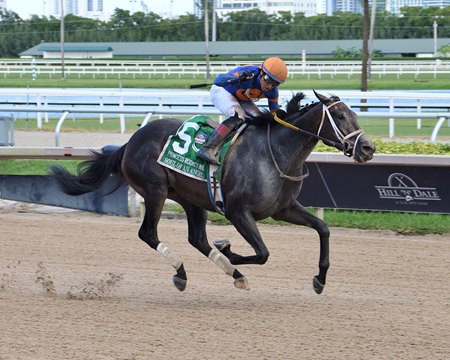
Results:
<point x="323" y="99"/>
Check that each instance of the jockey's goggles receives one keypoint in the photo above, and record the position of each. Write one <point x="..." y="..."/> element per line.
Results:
<point x="270" y="81"/>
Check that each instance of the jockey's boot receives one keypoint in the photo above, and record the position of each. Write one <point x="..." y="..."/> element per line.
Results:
<point x="210" y="150"/>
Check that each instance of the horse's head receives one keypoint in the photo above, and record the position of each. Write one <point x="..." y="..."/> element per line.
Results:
<point x="340" y="127"/>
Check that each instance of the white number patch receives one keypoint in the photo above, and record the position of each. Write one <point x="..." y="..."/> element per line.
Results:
<point x="183" y="135"/>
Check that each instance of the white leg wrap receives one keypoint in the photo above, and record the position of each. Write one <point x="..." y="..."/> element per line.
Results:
<point x="221" y="261"/>
<point x="174" y="260"/>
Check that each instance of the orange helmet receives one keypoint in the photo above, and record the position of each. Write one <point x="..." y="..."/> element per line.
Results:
<point x="276" y="69"/>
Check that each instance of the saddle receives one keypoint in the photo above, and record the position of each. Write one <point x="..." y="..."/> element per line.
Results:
<point x="179" y="154"/>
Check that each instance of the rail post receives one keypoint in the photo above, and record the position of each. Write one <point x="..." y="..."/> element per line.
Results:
<point x="436" y="129"/>
<point x="391" y="120"/>
<point x="58" y="129"/>
<point x="7" y="130"/>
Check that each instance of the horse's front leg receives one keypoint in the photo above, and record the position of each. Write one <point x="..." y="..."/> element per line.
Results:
<point x="196" y="218"/>
<point x="246" y="225"/>
<point x="298" y="215"/>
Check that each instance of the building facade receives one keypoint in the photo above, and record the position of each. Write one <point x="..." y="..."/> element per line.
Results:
<point x="224" y="7"/>
<point x="312" y="7"/>
<point x="353" y="6"/>
<point x="92" y="9"/>
<point x="307" y="7"/>
<point x="394" y="6"/>
<point x="437" y="3"/>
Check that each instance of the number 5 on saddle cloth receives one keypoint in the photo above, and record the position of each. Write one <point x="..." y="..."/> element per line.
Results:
<point x="179" y="154"/>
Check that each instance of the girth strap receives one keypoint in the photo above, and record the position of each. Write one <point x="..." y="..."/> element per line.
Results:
<point x="215" y="190"/>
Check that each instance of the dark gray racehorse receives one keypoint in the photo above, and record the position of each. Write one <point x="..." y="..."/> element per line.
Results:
<point x="262" y="176"/>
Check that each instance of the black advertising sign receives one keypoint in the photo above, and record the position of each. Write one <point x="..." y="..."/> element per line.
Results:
<point x="377" y="187"/>
<point x="43" y="189"/>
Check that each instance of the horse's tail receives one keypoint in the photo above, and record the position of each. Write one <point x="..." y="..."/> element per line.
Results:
<point x="91" y="173"/>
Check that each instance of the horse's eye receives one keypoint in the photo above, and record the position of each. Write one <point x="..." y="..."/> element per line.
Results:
<point x="341" y="117"/>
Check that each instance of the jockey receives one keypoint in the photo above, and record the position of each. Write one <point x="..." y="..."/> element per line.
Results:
<point x="235" y="94"/>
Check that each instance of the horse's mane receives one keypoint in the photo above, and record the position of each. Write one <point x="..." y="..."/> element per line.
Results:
<point x="292" y="107"/>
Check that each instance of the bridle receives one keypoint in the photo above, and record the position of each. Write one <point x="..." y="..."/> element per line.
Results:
<point x="343" y="143"/>
<point x="347" y="149"/>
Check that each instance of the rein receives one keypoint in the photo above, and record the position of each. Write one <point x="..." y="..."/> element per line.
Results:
<point x="295" y="128"/>
<point x="282" y="174"/>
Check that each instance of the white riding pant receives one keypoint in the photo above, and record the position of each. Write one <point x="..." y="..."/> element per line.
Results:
<point x="228" y="104"/>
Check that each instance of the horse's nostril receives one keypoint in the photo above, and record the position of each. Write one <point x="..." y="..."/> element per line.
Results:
<point x="368" y="149"/>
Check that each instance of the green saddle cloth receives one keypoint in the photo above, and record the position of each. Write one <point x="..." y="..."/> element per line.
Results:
<point x="180" y="151"/>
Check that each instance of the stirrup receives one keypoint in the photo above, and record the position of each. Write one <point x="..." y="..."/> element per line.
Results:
<point x="205" y="155"/>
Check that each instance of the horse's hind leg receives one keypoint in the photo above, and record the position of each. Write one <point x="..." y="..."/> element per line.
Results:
<point x="196" y="218"/>
<point x="298" y="215"/>
<point x="148" y="233"/>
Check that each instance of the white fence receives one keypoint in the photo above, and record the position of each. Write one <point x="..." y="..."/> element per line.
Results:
<point x="149" y="103"/>
<point x="196" y="69"/>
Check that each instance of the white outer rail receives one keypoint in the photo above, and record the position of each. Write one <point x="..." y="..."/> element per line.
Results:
<point x="198" y="102"/>
<point x="67" y="110"/>
<point x="150" y="112"/>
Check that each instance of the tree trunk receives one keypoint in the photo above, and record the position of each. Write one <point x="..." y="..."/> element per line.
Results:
<point x="365" y="49"/>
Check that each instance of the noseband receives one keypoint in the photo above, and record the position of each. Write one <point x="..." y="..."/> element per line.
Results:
<point x="347" y="150"/>
<point x="344" y="144"/>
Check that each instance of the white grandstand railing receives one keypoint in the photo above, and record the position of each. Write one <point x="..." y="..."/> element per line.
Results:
<point x="409" y="105"/>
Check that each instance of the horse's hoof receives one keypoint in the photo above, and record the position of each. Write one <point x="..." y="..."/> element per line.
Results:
<point x="179" y="283"/>
<point x="242" y="283"/>
<point x="317" y="285"/>
<point x="221" y="245"/>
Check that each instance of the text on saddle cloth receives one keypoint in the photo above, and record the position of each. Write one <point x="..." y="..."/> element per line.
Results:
<point x="180" y="154"/>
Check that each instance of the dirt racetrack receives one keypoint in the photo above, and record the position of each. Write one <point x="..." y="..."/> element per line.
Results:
<point x="76" y="285"/>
